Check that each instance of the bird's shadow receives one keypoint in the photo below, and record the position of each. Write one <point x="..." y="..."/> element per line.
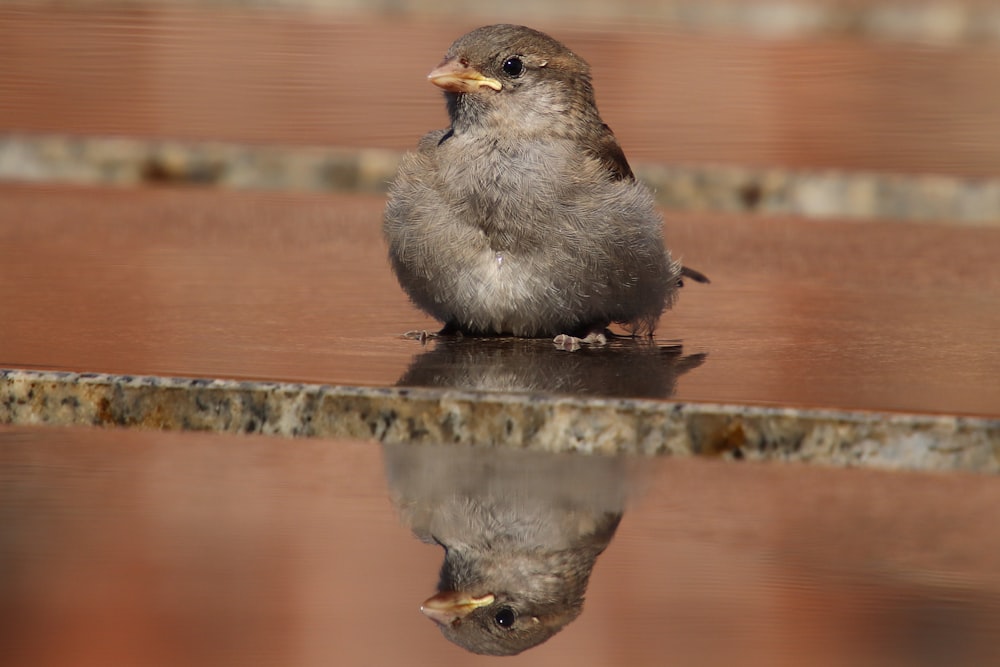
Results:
<point x="624" y="368"/>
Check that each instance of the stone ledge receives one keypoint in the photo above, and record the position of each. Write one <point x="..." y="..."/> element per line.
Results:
<point x="539" y="422"/>
<point x="121" y="161"/>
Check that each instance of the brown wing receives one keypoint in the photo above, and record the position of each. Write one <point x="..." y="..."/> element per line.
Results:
<point x="606" y="148"/>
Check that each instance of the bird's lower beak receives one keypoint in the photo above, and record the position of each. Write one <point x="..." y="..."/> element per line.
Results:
<point x="449" y="607"/>
<point x="457" y="77"/>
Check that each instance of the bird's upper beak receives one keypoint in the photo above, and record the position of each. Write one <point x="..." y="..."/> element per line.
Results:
<point x="450" y="607"/>
<point x="457" y="76"/>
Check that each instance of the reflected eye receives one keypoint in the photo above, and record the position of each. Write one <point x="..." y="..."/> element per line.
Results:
<point x="513" y="66"/>
<point x="505" y="618"/>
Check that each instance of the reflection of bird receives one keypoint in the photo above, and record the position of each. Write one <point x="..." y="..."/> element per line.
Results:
<point x="625" y="368"/>
<point x="521" y="532"/>
<point x="524" y="217"/>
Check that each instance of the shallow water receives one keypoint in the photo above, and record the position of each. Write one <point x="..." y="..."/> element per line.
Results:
<point x="150" y="548"/>
<point x="298" y="288"/>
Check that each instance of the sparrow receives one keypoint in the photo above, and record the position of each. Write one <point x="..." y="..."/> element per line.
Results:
<point x="521" y="532"/>
<point x="523" y="217"/>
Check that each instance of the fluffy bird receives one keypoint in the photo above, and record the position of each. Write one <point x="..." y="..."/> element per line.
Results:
<point x="524" y="218"/>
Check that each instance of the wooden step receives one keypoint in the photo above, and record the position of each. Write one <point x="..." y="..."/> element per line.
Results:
<point x="201" y="283"/>
<point x="672" y="95"/>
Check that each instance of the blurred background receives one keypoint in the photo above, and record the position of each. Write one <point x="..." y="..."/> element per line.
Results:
<point x="822" y="108"/>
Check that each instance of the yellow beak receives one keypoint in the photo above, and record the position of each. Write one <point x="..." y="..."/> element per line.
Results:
<point x="456" y="76"/>
<point x="450" y="607"/>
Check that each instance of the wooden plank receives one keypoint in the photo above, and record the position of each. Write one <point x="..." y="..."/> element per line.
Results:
<point x="273" y="76"/>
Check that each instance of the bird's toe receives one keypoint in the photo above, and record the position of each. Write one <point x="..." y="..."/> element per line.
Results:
<point x="569" y="343"/>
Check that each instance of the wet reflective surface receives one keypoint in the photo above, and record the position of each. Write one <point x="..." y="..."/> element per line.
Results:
<point x="285" y="287"/>
<point x="155" y="548"/>
<point x="625" y="368"/>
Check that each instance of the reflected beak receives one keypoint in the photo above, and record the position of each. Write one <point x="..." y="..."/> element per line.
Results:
<point x="450" y="607"/>
<point x="456" y="76"/>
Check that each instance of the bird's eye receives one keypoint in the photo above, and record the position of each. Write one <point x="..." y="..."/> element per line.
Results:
<point x="513" y="66"/>
<point x="505" y="618"/>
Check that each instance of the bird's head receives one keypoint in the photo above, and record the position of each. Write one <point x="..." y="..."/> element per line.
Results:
<point x="515" y="79"/>
<point x="511" y="595"/>
<point x="496" y="623"/>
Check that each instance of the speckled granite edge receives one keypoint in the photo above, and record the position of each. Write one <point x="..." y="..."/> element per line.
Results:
<point x="120" y="161"/>
<point x="424" y="416"/>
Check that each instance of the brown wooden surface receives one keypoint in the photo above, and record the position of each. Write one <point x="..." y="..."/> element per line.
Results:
<point x="284" y="76"/>
<point x="297" y="287"/>
<point x="142" y="548"/>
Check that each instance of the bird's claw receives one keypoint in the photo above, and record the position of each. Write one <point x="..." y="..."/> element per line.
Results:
<point x="422" y="335"/>
<point x="569" y="343"/>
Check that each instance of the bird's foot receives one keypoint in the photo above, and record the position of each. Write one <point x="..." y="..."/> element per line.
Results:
<point x="449" y="330"/>
<point x="570" y="343"/>
<point x="420" y="334"/>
